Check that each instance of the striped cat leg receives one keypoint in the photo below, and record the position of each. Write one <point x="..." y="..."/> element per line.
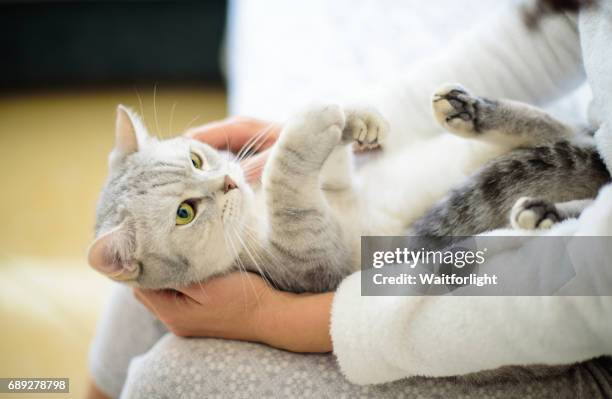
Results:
<point x="337" y="170"/>
<point x="303" y="234"/>
<point x="504" y="122"/>
<point x="538" y="214"/>
<point x="304" y="145"/>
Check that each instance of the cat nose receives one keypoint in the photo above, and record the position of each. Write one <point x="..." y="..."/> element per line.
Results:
<point x="228" y="184"/>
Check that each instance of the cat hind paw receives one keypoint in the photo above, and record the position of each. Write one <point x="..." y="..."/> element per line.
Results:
<point x="534" y="214"/>
<point x="456" y="110"/>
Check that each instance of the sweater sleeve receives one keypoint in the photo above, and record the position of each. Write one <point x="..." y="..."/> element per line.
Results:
<point x="501" y="58"/>
<point x="381" y="339"/>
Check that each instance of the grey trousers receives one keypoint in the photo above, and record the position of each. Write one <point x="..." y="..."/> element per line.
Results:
<point x="208" y="368"/>
<point x="133" y="354"/>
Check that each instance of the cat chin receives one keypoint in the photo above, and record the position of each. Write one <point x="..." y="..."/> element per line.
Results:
<point x="194" y="278"/>
<point x="206" y="276"/>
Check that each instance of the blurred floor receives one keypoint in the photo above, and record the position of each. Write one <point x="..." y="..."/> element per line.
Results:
<point x="53" y="151"/>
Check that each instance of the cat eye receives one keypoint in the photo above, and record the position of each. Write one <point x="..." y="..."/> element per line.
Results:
<point x="196" y="161"/>
<point x="184" y="214"/>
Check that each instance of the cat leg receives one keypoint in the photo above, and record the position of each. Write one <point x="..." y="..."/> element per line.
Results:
<point x="365" y="128"/>
<point x="537" y="214"/>
<point x="338" y="169"/>
<point x="505" y="122"/>
<point x="305" y="242"/>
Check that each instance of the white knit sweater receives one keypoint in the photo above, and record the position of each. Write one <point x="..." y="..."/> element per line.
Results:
<point x="380" y="339"/>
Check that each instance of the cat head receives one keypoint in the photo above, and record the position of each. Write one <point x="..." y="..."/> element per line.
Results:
<point x="166" y="209"/>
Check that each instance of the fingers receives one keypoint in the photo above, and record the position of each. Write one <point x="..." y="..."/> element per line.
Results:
<point x="213" y="288"/>
<point x="223" y="134"/>
<point x="222" y="290"/>
<point x="163" y="302"/>
<point x="236" y="133"/>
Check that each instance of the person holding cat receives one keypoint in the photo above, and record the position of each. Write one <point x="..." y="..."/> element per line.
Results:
<point x="377" y="340"/>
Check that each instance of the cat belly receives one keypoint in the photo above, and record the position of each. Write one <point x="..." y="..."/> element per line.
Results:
<point x="394" y="191"/>
<point x="390" y="193"/>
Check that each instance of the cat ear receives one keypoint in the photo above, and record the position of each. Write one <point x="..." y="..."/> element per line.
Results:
<point x="126" y="136"/>
<point x="112" y="255"/>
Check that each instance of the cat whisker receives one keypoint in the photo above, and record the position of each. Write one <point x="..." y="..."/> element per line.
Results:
<point x="171" y="118"/>
<point x="267" y="276"/>
<point x="251" y="235"/>
<point x="227" y="152"/>
<point x="191" y="123"/>
<point x="253" y="166"/>
<point x="244" y="268"/>
<point x="202" y="289"/>
<point x="262" y="142"/>
<point x="249" y="142"/>
<point x="253" y="170"/>
<point x="155" y="111"/>
<point x="261" y="272"/>
<point x="258" y="139"/>
<point x="236" y="256"/>
<point x="255" y="144"/>
<point x="141" y="106"/>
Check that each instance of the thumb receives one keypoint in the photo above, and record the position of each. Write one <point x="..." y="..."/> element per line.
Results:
<point x="217" y="134"/>
<point x="235" y="133"/>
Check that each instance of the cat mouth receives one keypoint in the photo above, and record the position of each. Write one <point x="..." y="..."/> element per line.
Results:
<point x="230" y="211"/>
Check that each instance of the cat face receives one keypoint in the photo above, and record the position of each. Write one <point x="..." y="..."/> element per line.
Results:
<point x="168" y="209"/>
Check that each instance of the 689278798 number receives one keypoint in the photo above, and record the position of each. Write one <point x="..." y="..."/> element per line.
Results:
<point x="34" y="385"/>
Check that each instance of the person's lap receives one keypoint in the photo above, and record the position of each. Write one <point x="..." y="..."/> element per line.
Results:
<point x="185" y="368"/>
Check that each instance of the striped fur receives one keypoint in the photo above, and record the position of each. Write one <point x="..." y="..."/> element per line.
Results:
<point x="301" y="228"/>
<point x="288" y="230"/>
<point x="548" y="161"/>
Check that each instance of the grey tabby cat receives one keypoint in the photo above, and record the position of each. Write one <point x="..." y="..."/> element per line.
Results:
<point x="552" y="174"/>
<point x="175" y="212"/>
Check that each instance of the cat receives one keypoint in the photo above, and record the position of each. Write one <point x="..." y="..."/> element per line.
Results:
<point x="175" y="212"/>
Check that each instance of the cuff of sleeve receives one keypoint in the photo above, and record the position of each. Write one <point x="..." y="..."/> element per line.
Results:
<point x="603" y="140"/>
<point x="357" y="331"/>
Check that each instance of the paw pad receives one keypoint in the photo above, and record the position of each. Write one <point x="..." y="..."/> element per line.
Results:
<point x="534" y="214"/>
<point x="456" y="109"/>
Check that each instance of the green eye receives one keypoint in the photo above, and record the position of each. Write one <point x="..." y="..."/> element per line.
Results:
<point x="196" y="161"/>
<point x="184" y="214"/>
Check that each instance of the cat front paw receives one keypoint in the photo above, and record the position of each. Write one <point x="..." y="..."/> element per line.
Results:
<point x="366" y="127"/>
<point x="456" y="110"/>
<point x="320" y="119"/>
<point x="534" y="214"/>
<point x="319" y="126"/>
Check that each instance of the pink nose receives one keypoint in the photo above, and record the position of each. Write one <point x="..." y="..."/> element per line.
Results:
<point x="228" y="184"/>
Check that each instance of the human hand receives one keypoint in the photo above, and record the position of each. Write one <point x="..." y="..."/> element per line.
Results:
<point x="242" y="136"/>
<point x="242" y="306"/>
